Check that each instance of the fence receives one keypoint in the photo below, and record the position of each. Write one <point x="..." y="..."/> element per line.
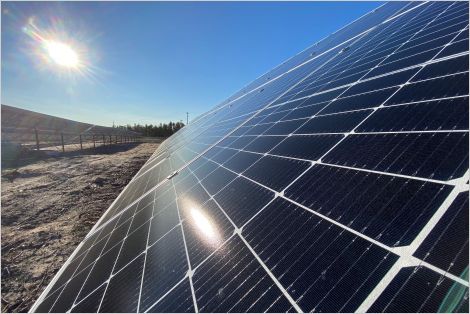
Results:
<point x="39" y="139"/>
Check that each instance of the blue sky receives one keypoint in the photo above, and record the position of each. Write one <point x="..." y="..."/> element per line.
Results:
<point x="151" y="62"/>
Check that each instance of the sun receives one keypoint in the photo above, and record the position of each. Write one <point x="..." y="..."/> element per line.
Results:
<point x="62" y="54"/>
<point x="63" y="51"/>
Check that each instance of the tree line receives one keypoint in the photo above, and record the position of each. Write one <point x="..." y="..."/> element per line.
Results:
<point x="160" y="130"/>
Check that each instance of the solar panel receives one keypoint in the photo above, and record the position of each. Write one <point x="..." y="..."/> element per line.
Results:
<point x="336" y="182"/>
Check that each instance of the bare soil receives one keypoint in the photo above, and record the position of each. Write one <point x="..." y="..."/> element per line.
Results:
<point x="49" y="206"/>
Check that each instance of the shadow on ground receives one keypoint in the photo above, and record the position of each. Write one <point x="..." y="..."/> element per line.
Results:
<point x="18" y="157"/>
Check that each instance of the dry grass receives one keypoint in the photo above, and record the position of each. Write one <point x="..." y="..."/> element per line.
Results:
<point x="49" y="206"/>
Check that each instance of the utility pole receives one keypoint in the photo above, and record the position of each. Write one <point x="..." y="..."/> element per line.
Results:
<point x="187" y="118"/>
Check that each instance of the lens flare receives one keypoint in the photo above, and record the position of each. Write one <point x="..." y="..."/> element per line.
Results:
<point x="58" y="49"/>
<point x="61" y="54"/>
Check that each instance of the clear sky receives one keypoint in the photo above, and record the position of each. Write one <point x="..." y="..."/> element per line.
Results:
<point x="151" y="62"/>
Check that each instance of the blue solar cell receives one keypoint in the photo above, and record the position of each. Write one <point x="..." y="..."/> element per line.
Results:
<point x="263" y="144"/>
<point x="68" y="294"/>
<point x="284" y="127"/>
<point x="342" y="122"/>
<point x="361" y="101"/>
<point x="286" y="171"/>
<point x="91" y="303"/>
<point x="440" y="156"/>
<point x="164" y="268"/>
<point x="443" y="68"/>
<point x="418" y="289"/>
<point x="261" y="128"/>
<point x="242" y="199"/>
<point x="447" y="244"/>
<point x="446" y="114"/>
<point x="225" y="283"/>
<point x="122" y="292"/>
<point x="162" y="222"/>
<point x="389" y="209"/>
<point x="217" y="179"/>
<point x="179" y="300"/>
<point x="99" y="273"/>
<point x="309" y="147"/>
<point x="310" y="255"/>
<point x="455" y="48"/>
<point x="241" y="161"/>
<point x="133" y="245"/>
<point x="443" y="87"/>
<point x="381" y="82"/>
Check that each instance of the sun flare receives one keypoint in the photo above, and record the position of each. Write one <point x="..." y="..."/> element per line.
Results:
<point x="61" y="50"/>
<point x="62" y="54"/>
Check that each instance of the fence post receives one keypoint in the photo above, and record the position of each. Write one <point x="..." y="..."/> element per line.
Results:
<point x="110" y="140"/>
<point x="121" y="138"/>
<point x="104" y="141"/>
<point x="81" y="145"/>
<point x="94" y="144"/>
<point x="37" y="138"/>
<point x="115" y="139"/>
<point x="62" y="140"/>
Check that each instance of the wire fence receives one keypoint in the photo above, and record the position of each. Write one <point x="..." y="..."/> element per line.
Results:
<point x="40" y="139"/>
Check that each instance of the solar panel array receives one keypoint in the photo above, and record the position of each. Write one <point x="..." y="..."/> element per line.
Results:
<point x="338" y="181"/>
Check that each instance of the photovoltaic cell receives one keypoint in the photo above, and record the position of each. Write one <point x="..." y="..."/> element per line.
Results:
<point x="336" y="182"/>
<point x="240" y="161"/>
<point x="164" y="268"/>
<point x="443" y="87"/>
<point x="242" y="198"/>
<point x="418" y="289"/>
<point x="447" y="245"/>
<point x="386" y="208"/>
<point x="297" y="245"/>
<point x="163" y="222"/>
<point x="217" y="179"/>
<point x="178" y="300"/>
<point x="286" y="171"/>
<point x="91" y="303"/>
<point x="309" y="147"/>
<point x="441" y="156"/>
<point x="236" y="282"/>
<point x="123" y="289"/>
<point x="382" y="82"/>
<point x="446" y="114"/>
<point x="199" y="247"/>
<point x="342" y="122"/>
<point x="443" y="68"/>
<point x="361" y="101"/>
<point x="263" y="144"/>
<point x="99" y="273"/>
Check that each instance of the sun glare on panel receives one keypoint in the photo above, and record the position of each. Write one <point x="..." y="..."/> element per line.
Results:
<point x="206" y="229"/>
<point x="203" y="224"/>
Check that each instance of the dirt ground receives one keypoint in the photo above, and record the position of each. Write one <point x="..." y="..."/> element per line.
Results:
<point x="49" y="206"/>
